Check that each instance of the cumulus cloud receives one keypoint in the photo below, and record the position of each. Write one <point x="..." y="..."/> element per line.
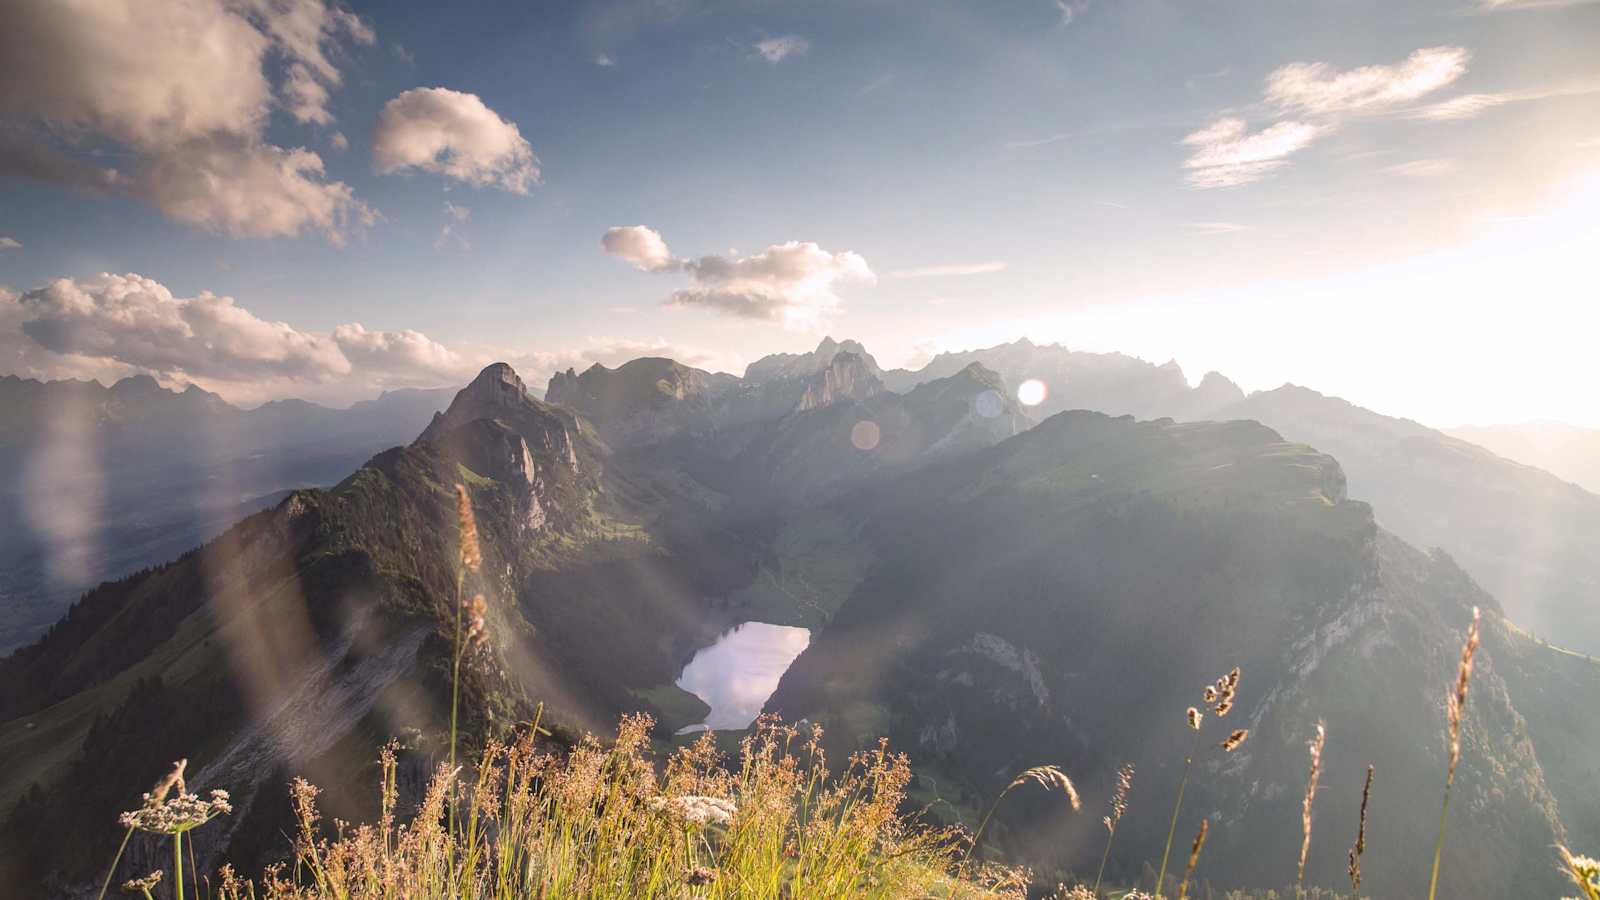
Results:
<point x="640" y="247"/>
<point x="791" y="283"/>
<point x="1226" y="153"/>
<point x="453" y="134"/>
<point x="983" y="268"/>
<point x="138" y="322"/>
<point x="111" y="326"/>
<point x="182" y="89"/>
<point x="406" y="351"/>
<point x="10" y="243"/>
<point x="776" y="49"/>
<point x="1313" y="99"/>
<point x="1318" y="89"/>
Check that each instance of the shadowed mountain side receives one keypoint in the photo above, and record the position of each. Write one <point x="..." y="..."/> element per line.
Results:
<point x="1063" y="596"/>
<point x="1528" y="537"/>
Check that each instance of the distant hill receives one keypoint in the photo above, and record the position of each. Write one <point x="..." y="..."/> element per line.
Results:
<point x="1525" y="535"/>
<point x="1568" y="451"/>
<point x="98" y="481"/>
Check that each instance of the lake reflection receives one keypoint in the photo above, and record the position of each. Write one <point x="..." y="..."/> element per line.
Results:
<point x="737" y="674"/>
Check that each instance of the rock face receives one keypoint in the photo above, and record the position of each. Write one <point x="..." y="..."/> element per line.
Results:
<point x="847" y="376"/>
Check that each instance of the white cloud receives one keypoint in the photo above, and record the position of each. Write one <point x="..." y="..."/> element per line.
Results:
<point x="604" y="59"/>
<point x="400" y="352"/>
<point x="10" y="243"/>
<point x="136" y="321"/>
<point x="776" y="49"/>
<point x="639" y="246"/>
<point x="1226" y="153"/>
<point x="939" y="271"/>
<point x="453" y="134"/>
<point x="338" y="141"/>
<point x="178" y="86"/>
<point x="791" y="283"/>
<point x="1422" y="168"/>
<point x="1318" y="89"/>
<point x="246" y="188"/>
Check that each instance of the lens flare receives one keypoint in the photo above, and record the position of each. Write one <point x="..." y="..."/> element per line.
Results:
<point x="1032" y="392"/>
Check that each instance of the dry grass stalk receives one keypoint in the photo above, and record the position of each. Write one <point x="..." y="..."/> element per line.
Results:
<point x="1119" y="806"/>
<point x="1315" y="747"/>
<point x="1360" y="845"/>
<point x="1219" y="696"/>
<point x="1194" y="858"/>
<point x="604" y="821"/>
<point x="1050" y="778"/>
<point x="1456" y="707"/>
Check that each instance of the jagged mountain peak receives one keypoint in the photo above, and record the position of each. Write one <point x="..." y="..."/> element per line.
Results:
<point x="499" y="393"/>
<point x="803" y="365"/>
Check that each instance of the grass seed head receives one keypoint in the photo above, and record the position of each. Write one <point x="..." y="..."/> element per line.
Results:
<point x="1458" y="697"/>
<point x="1315" y="746"/>
<point x="471" y="552"/>
<point x="1234" y="740"/>
<point x="1194" y="718"/>
<point x="1051" y="779"/>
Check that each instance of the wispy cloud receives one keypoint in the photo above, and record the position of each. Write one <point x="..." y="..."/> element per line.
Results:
<point x="1422" y="168"/>
<point x="1217" y="227"/>
<point x="1470" y="106"/>
<point x="777" y="49"/>
<point x="1312" y="100"/>
<point x="1317" y="89"/>
<point x="1504" y="5"/>
<point x="605" y="59"/>
<point x="10" y="243"/>
<point x="983" y="268"/>
<point x="1036" y="142"/>
<point x="1070" y="8"/>
<point x="1227" y="154"/>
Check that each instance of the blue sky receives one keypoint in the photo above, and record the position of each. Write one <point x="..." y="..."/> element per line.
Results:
<point x="1000" y="167"/>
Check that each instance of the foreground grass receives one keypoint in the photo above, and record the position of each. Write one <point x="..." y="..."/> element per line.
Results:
<point x="607" y="822"/>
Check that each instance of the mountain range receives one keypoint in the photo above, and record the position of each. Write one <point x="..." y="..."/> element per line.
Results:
<point x="991" y="586"/>
<point x="97" y="481"/>
<point x="1566" y="451"/>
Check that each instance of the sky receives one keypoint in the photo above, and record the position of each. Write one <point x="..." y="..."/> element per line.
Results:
<point x="1394" y="203"/>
